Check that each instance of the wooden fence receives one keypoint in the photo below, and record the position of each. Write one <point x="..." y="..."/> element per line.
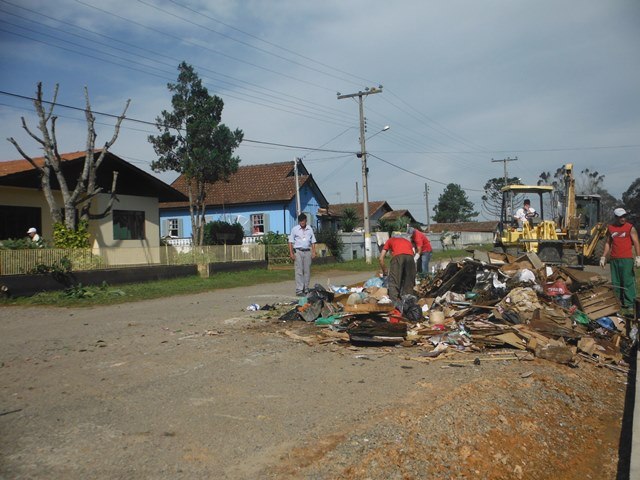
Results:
<point x="38" y="260"/>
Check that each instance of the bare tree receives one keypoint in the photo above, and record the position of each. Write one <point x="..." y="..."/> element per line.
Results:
<point x="85" y="188"/>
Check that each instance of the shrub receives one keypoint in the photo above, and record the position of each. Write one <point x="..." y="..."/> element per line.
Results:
<point x="64" y="237"/>
<point x="332" y="240"/>
<point x="219" y="233"/>
<point x="58" y="270"/>
<point x="272" y="238"/>
<point x="16" y="244"/>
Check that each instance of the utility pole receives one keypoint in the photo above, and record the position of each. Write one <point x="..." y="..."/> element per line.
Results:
<point x="505" y="160"/>
<point x="506" y="177"/>
<point x="365" y="170"/>
<point x="426" y="196"/>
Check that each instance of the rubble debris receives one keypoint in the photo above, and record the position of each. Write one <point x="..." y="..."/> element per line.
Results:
<point x="475" y="305"/>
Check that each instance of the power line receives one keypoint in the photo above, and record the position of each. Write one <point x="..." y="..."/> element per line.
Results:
<point x="286" y="110"/>
<point x="280" y="95"/>
<point x="217" y="52"/>
<point x="419" y="175"/>
<point x="145" y="122"/>
<point x="235" y="39"/>
<point x="314" y="115"/>
<point x="367" y="81"/>
<point x="189" y="21"/>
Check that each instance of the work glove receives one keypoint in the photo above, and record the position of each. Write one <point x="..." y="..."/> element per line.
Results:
<point x="603" y="261"/>
<point x="637" y="262"/>
<point x="416" y="257"/>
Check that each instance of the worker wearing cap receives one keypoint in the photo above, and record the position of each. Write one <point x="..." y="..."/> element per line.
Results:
<point x="402" y="269"/>
<point x="622" y="238"/>
<point x="525" y="213"/>
<point x="35" y="238"/>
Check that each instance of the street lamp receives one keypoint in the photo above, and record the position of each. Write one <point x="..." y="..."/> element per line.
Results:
<point x="384" y="129"/>
<point x="365" y="188"/>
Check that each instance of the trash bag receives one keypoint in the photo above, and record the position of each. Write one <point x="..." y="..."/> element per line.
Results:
<point x="318" y="292"/>
<point x="607" y="323"/>
<point x="291" y="315"/>
<point x="580" y="317"/>
<point x="410" y="309"/>
<point x="311" y="311"/>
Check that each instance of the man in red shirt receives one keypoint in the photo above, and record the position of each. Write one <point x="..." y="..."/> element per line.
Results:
<point x="423" y="249"/>
<point x="402" y="268"/>
<point x="622" y="238"/>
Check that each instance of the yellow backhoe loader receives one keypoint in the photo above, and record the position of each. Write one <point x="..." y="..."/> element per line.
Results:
<point x="567" y="228"/>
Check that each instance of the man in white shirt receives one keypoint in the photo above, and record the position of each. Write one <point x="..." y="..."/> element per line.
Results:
<point x="302" y="249"/>
<point x="35" y="238"/>
<point x="525" y="213"/>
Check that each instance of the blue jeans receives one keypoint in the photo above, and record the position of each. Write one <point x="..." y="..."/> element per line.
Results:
<point x="425" y="258"/>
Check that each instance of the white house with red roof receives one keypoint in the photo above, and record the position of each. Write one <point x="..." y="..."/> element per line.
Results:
<point x="133" y="222"/>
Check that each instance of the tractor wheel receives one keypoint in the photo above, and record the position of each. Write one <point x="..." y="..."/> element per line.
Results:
<point x="571" y="258"/>
<point x="550" y="253"/>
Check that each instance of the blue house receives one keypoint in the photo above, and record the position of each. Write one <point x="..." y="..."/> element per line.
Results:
<point x="262" y="198"/>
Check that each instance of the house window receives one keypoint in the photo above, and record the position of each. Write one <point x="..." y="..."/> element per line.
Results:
<point x="128" y="225"/>
<point x="257" y="224"/>
<point x="14" y="221"/>
<point x="173" y="227"/>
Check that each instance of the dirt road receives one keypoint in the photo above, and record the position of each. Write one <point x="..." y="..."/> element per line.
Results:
<point x="196" y="387"/>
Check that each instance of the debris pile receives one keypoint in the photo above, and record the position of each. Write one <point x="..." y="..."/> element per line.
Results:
<point x="489" y="301"/>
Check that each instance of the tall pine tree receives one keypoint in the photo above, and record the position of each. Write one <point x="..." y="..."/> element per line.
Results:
<point x="453" y="206"/>
<point x="194" y="143"/>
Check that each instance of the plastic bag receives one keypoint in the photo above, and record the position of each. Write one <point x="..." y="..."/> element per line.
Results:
<point x="318" y="292"/>
<point x="410" y="309"/>
<point x="373" y="282"/>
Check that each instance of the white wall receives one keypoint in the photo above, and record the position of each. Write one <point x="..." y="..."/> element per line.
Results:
<point x="28" y="197"/>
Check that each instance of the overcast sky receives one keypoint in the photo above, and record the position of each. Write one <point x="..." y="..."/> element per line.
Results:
<point x="464" y="82"/>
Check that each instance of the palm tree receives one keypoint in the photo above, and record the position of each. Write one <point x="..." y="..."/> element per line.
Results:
<point x="350" y="219"/>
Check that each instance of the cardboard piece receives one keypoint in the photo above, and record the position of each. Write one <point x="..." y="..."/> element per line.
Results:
<point x="598" y="302"/>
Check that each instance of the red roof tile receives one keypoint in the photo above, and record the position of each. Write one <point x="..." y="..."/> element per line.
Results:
<point x="337" y="209"/>
<point x="263" y="183"/>
<point x="394" y="215"/>
<point x="10" y="167"/>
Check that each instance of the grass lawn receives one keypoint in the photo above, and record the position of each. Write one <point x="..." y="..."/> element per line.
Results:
<point x="107" y="294"/>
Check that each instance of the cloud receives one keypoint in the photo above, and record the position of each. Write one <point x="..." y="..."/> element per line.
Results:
<point x="464" y="82"/>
